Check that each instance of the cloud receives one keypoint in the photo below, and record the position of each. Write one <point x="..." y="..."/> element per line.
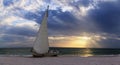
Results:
<point x="109" y="43"/>
<point x="66" y="18"/>
<point x="19" y="26"/>
<point x="106" y="17"/>
<point x="12" y="40"/>
<point x="7" y="2"/>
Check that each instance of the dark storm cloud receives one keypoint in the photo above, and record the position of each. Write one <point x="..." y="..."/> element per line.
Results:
<point x="23" y="31"/>
<point x="80" y="2"/>
<point x="67" y="23"/>
<point x="107" y="17"/>
<point x="8" y="2"/>
<point x="35" y="16"/>
<point x="61" y="22"/>
<point x="10" y="38"/>
<point x="109" y="43"/>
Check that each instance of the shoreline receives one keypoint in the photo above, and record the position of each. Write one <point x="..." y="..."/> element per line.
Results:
<point x="60" y="60"/>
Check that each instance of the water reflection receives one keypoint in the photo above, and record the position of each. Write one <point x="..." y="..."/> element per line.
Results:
<point x="86" y="52"/>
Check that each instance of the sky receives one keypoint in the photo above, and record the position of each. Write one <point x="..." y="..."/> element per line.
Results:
<point x="71" y="23"/>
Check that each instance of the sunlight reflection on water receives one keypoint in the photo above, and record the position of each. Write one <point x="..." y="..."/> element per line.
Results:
<point x="86" y="53"/>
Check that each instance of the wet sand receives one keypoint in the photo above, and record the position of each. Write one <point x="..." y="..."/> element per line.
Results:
<point x="61" y="60"/>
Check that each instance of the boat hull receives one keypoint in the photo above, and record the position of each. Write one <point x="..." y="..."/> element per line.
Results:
<point x="51" y="53"/>
<point x="45" y="55"/>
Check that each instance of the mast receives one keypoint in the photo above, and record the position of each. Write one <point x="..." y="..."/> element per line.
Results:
<point x="41" y="45"/>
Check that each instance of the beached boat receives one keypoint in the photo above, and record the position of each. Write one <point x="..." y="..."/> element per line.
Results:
<point x="41" y="44"/>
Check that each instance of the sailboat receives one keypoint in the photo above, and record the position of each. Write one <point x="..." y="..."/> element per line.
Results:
<point x="41" y="44"/>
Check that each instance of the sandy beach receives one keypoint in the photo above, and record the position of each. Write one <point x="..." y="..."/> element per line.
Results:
<point x="61" y="60"/>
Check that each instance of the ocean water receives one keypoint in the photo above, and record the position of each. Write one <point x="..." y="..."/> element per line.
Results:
<point x="62" y="51"/>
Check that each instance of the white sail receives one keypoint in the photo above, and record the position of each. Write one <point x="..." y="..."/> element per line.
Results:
<point x="41" y="45"/>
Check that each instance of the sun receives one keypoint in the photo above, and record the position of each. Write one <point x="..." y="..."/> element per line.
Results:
<point x="82" y="41"/>
<point x="86" y="38"/>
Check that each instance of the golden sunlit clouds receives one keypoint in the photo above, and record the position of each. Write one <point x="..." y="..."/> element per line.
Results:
<point x="82" y="41"/>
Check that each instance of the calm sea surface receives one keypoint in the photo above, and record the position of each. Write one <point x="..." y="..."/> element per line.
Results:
<point x="63" y="51"/>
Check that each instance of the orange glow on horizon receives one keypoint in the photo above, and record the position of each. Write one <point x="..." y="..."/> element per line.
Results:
<point x="83" y="41"/>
